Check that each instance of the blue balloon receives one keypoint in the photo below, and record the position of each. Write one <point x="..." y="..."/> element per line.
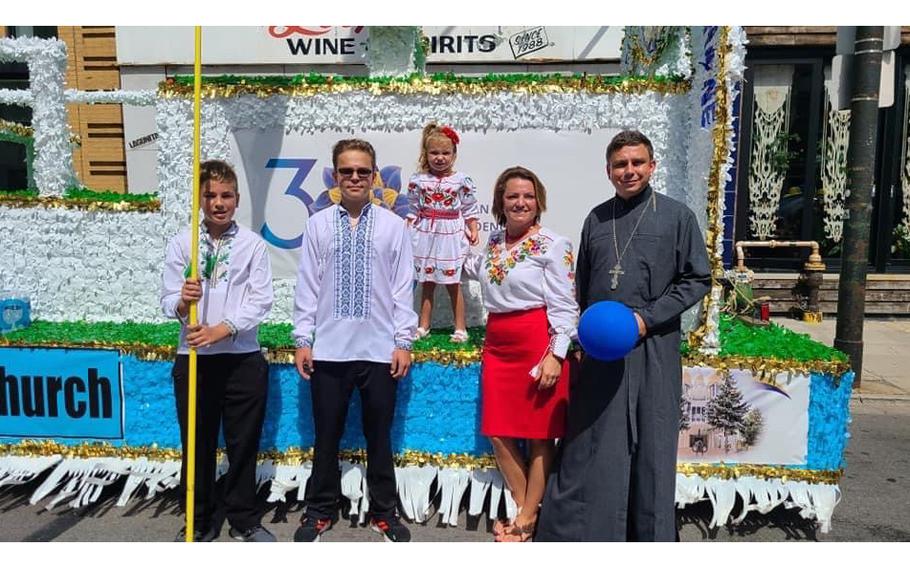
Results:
<point x="607" y="330"/>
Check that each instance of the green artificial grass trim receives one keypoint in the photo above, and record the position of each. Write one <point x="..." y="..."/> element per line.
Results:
<point x="736" y="338"/>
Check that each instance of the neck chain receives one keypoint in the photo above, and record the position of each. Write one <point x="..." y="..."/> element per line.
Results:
<point x="617" y="269"/>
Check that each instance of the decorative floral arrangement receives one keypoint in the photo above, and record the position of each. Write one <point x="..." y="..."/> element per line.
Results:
<point x="656" y="50"/>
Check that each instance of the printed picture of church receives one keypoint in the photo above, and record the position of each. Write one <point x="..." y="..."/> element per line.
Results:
<point x="714" y="420"/>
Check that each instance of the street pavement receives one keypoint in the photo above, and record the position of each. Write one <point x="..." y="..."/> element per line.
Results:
<point x="886" y="354"/>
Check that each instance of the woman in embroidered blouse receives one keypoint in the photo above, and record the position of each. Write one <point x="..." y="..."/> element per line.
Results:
<point x="527" y="279"/>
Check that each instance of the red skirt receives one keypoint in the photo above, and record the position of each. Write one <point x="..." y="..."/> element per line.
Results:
<point x="511" y="404"/>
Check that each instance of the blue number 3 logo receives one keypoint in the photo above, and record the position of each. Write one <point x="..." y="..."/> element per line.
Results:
<point x="295" y="189"/>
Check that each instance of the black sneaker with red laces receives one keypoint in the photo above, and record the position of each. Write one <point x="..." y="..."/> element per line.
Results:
<point x="311" y="529"/>
<point x="391" y="529"/>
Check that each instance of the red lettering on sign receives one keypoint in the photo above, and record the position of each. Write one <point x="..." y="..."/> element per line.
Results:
<point x="281" y="32"/>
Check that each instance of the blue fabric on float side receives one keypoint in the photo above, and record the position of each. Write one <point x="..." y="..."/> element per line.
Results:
<point x="437" y="410"/>
<point x="829" y="417"/>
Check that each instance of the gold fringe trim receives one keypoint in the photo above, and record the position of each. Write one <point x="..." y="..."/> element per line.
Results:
<point x="428" y="86"/>
<point x="735" y="471"/>
<point x="297" y="456"/>
<point x="763" y="368"/>
<point x="82" y="204"/>
<point x="766" y="369"/>
<point x="715" y="188"/>
<point x="291" y="456"/>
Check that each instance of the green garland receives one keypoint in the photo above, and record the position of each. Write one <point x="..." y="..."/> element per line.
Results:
<point x="737" y="339"/>
<point x="438" y="340"/>
<point x="740" y="339"/>
<point x="83" y="193"/>
<point x="10" y="136"/>
<point x="271" y="335"/>
<point x="79" y="195"/>
<point x="47" y="332"/>
<point x="490" y="78"/>
<point x="24" y="193"/>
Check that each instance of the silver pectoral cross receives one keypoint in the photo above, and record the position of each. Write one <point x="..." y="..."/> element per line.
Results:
<point x="616" y="271"/>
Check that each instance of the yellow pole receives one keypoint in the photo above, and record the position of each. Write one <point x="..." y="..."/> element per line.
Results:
<point x="194" y="272"/>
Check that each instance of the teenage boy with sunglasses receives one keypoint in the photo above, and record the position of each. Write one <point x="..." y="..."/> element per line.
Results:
<point x="353" y="327"/>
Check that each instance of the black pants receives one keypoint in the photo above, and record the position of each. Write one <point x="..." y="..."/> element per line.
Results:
<point x="331" y="386"/>
<point x="231" y="389"/>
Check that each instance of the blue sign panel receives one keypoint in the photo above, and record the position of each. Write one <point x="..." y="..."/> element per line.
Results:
<point x="61" y="393"/>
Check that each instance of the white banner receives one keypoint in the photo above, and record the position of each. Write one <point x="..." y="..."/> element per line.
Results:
<point x="765" y="424"/>
<point x="523" y="43"/>
<point x="239" y="45"/>
<point x="257" y="45"/>
<point x="284" y="177"/>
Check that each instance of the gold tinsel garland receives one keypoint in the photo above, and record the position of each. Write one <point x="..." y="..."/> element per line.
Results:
<point x="766" y="369"/>
<point x="141" y="351"/>
<point x="17" y="129"/>
<point x="83" y="204"/>
<point x="763" y="368"/>
<point x="291" y="456"/>
<point x="25" y="131"/>
<point x="282" y="356"/>
<point x="297" y="456"/>
<point x="642" y="57"/>
<point x="735" y="471"/>
<point x="428" y="86"/>
<point x="714" y="218"/>
<point x="458" y="358"/>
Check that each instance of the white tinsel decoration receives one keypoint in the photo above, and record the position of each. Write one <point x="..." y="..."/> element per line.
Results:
<point x="390" y="50"/>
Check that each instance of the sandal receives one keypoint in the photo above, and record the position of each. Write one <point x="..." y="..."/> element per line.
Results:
<point x="460" y="336"/>
<point x="421" y="333"/>
<point x="501" y="527"/>
<point x="522" y="533"/>
<point x="515" y="533"/>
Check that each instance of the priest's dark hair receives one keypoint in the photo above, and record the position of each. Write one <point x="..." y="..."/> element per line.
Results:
<point x="629" y="138"/>
<point x="499" y="191"/>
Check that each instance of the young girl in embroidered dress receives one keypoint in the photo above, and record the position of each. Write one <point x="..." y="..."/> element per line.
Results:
<point x="442" y="214"/>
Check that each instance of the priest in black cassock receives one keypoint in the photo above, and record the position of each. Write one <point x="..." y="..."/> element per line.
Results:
<point x="616" y="476"/>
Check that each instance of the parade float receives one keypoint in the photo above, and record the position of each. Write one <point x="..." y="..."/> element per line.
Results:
<point x="86" y="403"/>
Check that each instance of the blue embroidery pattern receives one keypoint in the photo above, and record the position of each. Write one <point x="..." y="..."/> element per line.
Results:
<point x="353" y="265"/>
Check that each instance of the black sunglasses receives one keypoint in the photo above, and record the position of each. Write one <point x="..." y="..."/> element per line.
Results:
<point x="348" y="172"/>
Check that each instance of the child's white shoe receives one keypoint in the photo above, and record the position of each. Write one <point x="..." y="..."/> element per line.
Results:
<point x="460" y="336"/>
<point x="421" y="333"/>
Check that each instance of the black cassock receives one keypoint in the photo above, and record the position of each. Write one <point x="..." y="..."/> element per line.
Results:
<point x="615" y="477"/>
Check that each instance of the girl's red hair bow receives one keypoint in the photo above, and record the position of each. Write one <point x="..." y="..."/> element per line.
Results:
<point x="450" y="134"/>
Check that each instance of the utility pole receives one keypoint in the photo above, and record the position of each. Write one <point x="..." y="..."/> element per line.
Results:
<point x="851" y="295"/>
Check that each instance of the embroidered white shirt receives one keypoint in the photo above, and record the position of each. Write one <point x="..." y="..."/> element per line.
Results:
<point x="236" y="285"/>
<point x="355" y="290"/>
<point x="455" y="192"/>
<point x="537" y="272"/>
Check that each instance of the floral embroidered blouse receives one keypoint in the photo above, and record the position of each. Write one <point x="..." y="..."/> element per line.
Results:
<point x="537" y="272"/>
